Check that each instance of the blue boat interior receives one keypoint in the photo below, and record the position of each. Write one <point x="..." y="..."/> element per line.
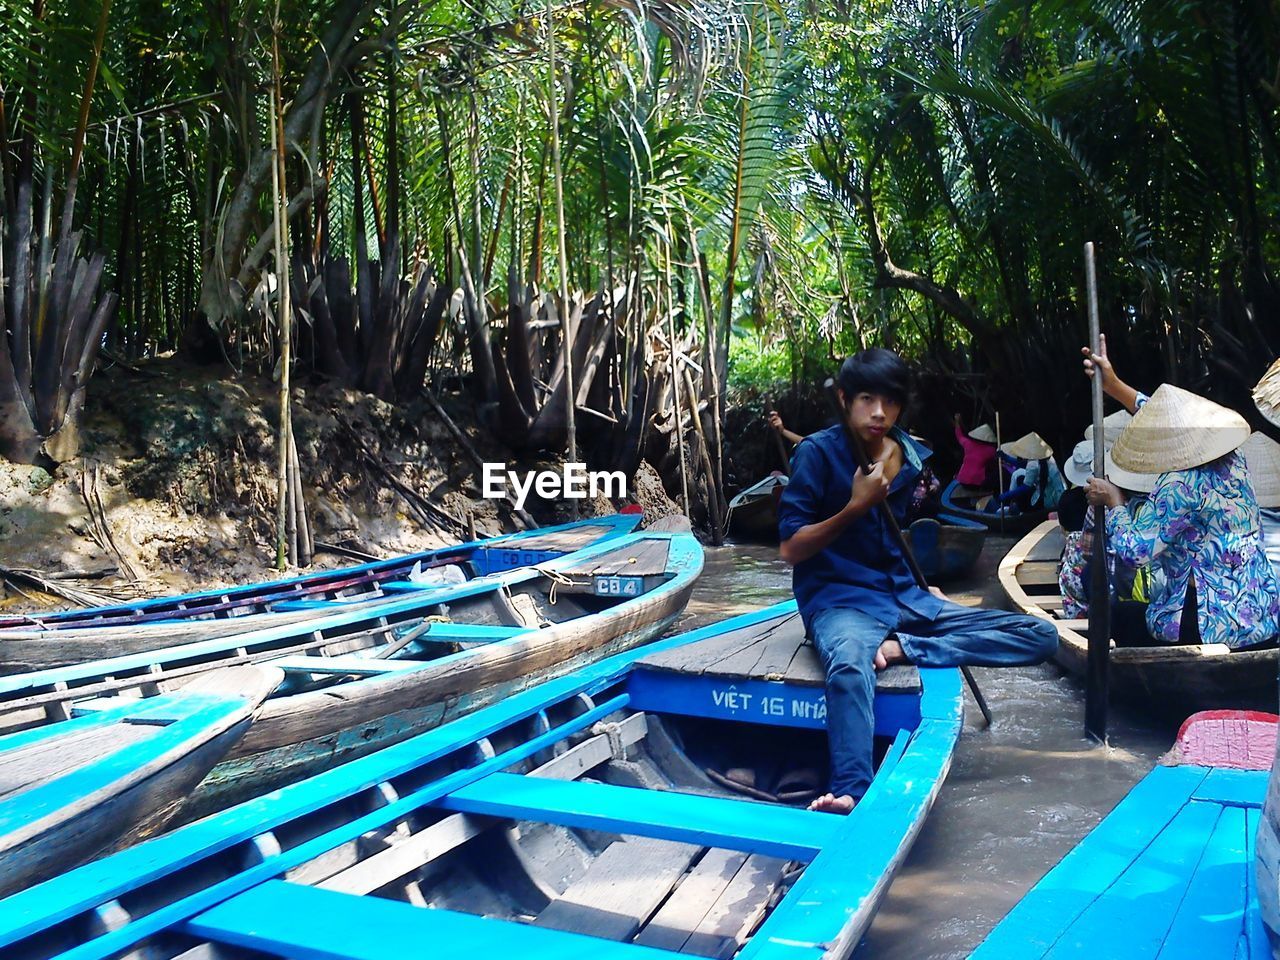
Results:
<point x="1168" y="874"/>
<point x="629" y="809"/>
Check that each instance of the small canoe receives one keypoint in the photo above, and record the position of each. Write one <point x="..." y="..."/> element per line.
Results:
<point x="753" y="513"/>
<point x="70" y="791"/>
<point x="578" y="818"/>
<point x="946" y="547"/>
<point x="374" y="676"/>
<point x="1170" y="872"/>
<point x="209" y="613"/>
<point x="957" y="506"/>
<point x="1170" y="679"/>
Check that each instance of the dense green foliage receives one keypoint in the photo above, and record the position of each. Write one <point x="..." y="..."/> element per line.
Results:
<point x="771" y="184"/>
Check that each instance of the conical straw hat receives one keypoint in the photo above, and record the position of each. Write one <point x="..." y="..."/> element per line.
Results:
<point x="1028" y="447"/>
<point x="1178" y="430"/>
<point x="1267" y="394"/>
<point x="1126" y="480"/>
<point x="983" y="433"/>
<point x="1263" y="456"/>
<point x="1113" y="425"/>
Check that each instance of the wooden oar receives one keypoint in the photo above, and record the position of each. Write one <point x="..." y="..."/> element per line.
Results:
<point x="904" y="545"/>
<point x="1096" y="671"/>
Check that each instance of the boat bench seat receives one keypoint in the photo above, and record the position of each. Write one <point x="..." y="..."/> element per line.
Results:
<point x="342" y="665"/>
<point x="406" y="586"/>
<point x="469" y="633"/>
<point x="288" y="919"/>
<point x="285" y="605"/>
<point x="685" y="818"/>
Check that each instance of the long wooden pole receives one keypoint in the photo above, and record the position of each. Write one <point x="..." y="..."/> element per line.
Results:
<point x="1096" y="673"/>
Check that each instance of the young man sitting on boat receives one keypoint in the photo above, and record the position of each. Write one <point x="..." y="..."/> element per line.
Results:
<point x="856" y="594"/>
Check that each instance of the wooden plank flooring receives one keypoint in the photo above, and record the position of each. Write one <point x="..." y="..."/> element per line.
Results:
<point x="621" y="889"/>
<point x="771" y="651"/>
<point x="644" y="558"/>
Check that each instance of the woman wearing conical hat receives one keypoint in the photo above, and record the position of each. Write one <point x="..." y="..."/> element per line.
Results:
<point x="1202" y="525"/>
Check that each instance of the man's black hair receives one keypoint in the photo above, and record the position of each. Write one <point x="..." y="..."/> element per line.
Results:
<point x="875" y="371"/>
<point x="1072" y="508"/>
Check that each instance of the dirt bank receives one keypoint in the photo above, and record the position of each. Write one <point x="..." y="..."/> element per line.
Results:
<point x="176" y="486"/>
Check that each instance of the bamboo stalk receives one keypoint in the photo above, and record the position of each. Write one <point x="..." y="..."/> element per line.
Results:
<point x="561" y="254"/>
<point x="306" y="546"/>
<point x="675" y="386"/>
<point x="283" y="513"/>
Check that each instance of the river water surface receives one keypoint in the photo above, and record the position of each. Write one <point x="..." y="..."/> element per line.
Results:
<point x="1019" y="795"/>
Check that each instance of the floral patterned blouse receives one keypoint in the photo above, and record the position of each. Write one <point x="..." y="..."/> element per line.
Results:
<point x="1203" y="522"/>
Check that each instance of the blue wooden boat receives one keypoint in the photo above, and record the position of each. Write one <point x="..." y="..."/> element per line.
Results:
<point x="252" y="608"/>
<point x="1170" y="872"/>
<point x="956" y="506"/>
<point x="305" y="595"/>
<point x="575" y="818"/>
<point x="111" y="777"/>
<point x="384" y="672"/>
<point x="946" y="546"/>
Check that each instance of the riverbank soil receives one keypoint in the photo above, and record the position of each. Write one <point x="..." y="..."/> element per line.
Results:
<point x="176" y="486"/>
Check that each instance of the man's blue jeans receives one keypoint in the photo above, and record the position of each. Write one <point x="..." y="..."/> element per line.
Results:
<point x="847" y="641"/>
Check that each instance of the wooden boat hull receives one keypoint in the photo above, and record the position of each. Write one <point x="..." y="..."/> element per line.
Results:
<point x="946" y="547"/>
<point x="346" y="700"/>
<point x="1015" y="525"/>
<point x="165" y="621"/>
<point x="488" y="819"/>
<point x="297" y="736"/>
<point x="753" y="513"/>
<point x="1171" y="679"/>
<point x="83" y="807"/>
<point x="1168" y="873"/>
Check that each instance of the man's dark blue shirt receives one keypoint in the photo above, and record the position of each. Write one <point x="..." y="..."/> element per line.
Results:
<point x="862" y="568"/>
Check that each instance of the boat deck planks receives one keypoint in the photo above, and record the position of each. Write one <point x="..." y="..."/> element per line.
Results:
<point x="620" y="890"/>
<point x="562" y="540"/>
<point x="647" y="558"/>
<point x="699" y="892"/>
<point x="714" y="920"/>
<point x="781" y="653"/>
<point x="338" y="927"/>
<point x="40" y="762"/>
<point x="1168" y="875"/>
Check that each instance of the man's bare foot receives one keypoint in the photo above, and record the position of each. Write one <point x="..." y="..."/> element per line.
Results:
<point x="830" y="803"/>
<point x="890" y="652"/>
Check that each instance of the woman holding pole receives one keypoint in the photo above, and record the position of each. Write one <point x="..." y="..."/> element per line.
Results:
<point x="1203" y="529"/>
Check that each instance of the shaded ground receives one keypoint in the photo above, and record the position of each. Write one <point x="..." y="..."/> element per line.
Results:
<point x="176" y="488"/>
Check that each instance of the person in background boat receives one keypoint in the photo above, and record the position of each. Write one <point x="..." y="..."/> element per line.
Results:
<point x="977" y="471"/>
<point x="857" y="596"/>
<point x="1202" y="528"/>
<point x="1035" y="483"/>
<point x="775" y="421"/>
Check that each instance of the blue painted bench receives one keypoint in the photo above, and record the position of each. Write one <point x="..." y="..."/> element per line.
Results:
<point x="287" y="919"/>
<point x="709" y="821"/>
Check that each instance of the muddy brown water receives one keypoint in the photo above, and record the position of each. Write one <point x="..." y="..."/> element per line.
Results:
<point x="1019" y="795"/>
